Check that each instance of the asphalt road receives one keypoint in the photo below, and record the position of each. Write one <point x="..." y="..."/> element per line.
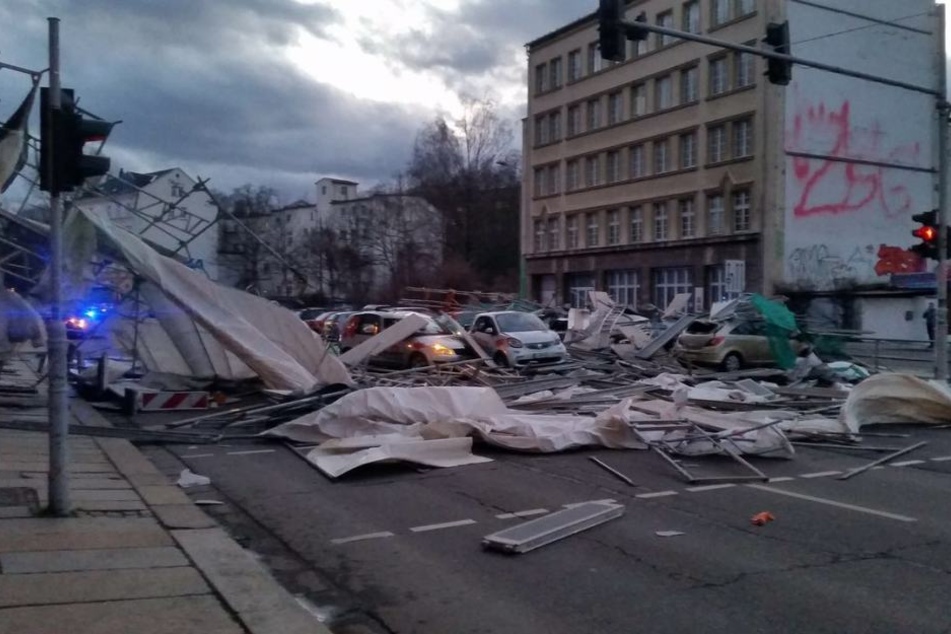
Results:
<point x="402" y="546"/>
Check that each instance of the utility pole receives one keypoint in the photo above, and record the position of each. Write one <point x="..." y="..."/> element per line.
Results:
<point x="941" y="277"/>
<point x="55" y="327"/>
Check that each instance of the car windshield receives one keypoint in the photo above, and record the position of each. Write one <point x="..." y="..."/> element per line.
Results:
<point x="519" y="322"/>
<point x="310" y="313"/>
<point x="429" y="328"/>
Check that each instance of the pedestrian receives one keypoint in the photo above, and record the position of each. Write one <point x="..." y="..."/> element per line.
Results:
<point x="929" y="323"/>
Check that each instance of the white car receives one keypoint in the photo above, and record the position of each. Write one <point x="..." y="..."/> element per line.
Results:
<point x="514" y="338"/>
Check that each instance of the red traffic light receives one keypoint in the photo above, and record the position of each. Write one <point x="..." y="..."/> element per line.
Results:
<point x="926" y="233"/>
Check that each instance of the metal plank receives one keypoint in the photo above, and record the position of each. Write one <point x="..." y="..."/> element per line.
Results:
<point x="550" y="528"/>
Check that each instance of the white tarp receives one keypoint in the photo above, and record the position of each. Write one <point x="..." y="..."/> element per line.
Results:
<point x="335" y="458"/>
<point x="19" y="323"/>
<point x="896" y="398"/>
<point x="268" y="338"/>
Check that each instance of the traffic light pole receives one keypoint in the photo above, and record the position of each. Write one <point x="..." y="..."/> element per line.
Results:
<point x="941" y="277"/>
<point x="56" y="328"/>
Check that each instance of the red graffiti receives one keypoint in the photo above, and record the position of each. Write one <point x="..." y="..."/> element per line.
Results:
<point x="840" y="185"/>
<point x="897" y="260"/>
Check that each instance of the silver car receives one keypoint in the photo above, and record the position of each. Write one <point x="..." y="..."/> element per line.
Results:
<point x="514" y="338"/>
<point x="432" y="344"/>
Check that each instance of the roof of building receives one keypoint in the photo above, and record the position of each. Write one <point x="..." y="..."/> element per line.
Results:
<point x="339" y="181"/>
<point x="571" y="26"/>
<point x="297" y="204"/>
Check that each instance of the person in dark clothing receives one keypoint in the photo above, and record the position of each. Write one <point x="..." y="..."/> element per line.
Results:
<point x="929" y="323"/>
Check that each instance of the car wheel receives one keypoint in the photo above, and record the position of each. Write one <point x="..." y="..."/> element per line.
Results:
<point x="732" y="362"/>
<point x="418" y="361"/>
<point x="501" y="360"/>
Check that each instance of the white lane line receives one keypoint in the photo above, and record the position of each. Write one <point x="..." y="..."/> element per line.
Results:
<point x="819" y="474"/>
<point x="528" y="513"/>
<point x="781" y="479"/>
<point x="250" y="452"/>
<point x="942" y="459"/>
<point x="709" y="487"/>
<point x="907" y="463"/>
<point x="577" y="504"/>
<point x="436" y="527"/>
<point x="656" y="494"/>
<point x="841" y="505"/>
<point x="198" y="455"/>
<point x="360" y="538"/>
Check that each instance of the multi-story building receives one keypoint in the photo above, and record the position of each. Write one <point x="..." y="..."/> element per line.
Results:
<point x="683" y="170"/>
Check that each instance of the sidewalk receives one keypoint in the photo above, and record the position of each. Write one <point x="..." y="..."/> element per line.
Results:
<point x="138" y="557"/>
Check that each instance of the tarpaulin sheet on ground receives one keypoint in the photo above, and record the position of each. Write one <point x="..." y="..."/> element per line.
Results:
<point x="896" y="398"/>
<point x="267" y="338"/>
<point x="19" y="323"/>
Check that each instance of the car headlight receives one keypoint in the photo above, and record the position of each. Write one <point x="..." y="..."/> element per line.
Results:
<point x="442" y="350"/>
<point x="513" y="342"/>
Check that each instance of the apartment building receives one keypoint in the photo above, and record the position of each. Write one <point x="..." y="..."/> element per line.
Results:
<point x="683" y="170"/>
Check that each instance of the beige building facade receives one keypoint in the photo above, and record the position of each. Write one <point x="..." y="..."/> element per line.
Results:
<point x="647" y="178"/>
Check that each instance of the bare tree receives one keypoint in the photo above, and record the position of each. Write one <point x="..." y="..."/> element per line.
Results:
<point x="244" y="241"/>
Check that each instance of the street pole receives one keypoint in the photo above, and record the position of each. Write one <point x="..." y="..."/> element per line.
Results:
<point x="941" y="278"/>
<point x="55" y="327"/>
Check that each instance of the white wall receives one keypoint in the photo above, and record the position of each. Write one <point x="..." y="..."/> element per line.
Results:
<point x="887" y="318"/>
<point x="848" y="222"/>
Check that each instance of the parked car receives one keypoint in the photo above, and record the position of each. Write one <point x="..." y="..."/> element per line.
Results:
<point x="432" y="343"/>
<point x="314" y="318"/>
<point x="730" y="345"/>
<point x="515" y="338"/>
<point x="333" y="325"/>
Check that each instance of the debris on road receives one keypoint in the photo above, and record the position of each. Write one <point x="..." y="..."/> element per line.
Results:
<point x="187" y="478"/>
<point x="884" y="459"/>
<point x="617" y="474"/>
<point x="761" y="519"/>
<point x="669" y="533"/>
<point x="553" y="527"/>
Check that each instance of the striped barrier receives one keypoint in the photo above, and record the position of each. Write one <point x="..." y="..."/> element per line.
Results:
<point x="168" y="401"/>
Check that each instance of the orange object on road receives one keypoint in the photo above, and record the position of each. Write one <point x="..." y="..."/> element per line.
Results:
<point x="761" y="518"/>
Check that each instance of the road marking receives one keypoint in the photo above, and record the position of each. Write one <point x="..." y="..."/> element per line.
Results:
<point x="842" y="505"/>
<point x="820" y="474"/>
<point x="709" y="487"/>
<point x="656" y="494"/>
<point x="529" y="513"/>
<point x="198" y="455"/>
<point x="252" y="451"/>
<point x="907" y="463"/>
<point x="781" y="479"/>
<point x="942" y="459"/>
<point x="360" y="538"/>
<point x="436" y="527"/>
<point x="577" y="504"/>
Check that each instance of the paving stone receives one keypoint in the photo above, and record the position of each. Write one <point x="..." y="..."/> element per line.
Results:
<point x="182" y="516"/>
<point x="108" y="505"/>
<point x="127" y="459"/>
<point x="164" y="494"/>
<point x="12" y="512"/>
<point x="90" y="495"/>
<point x="100" y="585"/>
<point x="181" y="615"/>
<point x="147" y="479"/>
<point x="43" y="534"/>
<point x="105" y="559"/>
<point x="97" y="484"/>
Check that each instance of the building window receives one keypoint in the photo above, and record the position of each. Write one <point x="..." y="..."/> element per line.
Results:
<point x="720" y="10"/>
<point x="541" y="130"/>
<point x="640" y="47"/>
<point x="572" y="232"/>
<point x="716" y="284"/>
<point x="661" y="221"/>
<point x="691" y="17"/>
<point x="574" y="120"/>
<point x="688" y="150"/>
<point x="638" y="100"/>
<point x="687" y="218"/>
<point x="554" y="71"/>
<point x="579" y="286"/>
<point x="743" y="66"/>
<point x="637" y="167"/>
<point x="553" y="234"/>
<point x="592" y="171"/>
<point x="554" y="126"/>
<point x="663" y="93"/>
<point x="540" y="78"/>
<point x="574" y="65"/>
<point x="745" y="7"/>
<point x="593" y="229"/>
<point x="613" y="166"/>
<point x="637" y="224"/>
<point x="539" y="236"/>
<point x="594" y="114"/>
<point x="554" y="179"/>
<point x="741" y="210"/>
<point x="715" y="215"/>
<point x="539" y="181"/>
<point x="571" y="176"/>
<point x="716" y="138"/>
<point x="666" y="20"/>
<point x="594" y="58"/>
<point x="614" y="227"/>
<point x="742" y="138"/>
<point x="689" y="85"/>
<point x="719" y="76"/>
<point x="670" y="282"/>
<point x="623" y="287"/>
<point x="615" y="107"/>
<point x="661" y="163"/>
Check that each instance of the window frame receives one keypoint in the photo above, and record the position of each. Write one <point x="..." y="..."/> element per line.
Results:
<point x="688" y="217"/>
<point x="661" y="221"/>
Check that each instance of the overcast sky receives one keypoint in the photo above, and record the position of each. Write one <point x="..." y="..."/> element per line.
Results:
<point x="277" y="92"/>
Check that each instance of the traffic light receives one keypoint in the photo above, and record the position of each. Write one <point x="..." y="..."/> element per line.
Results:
<point x="64" y="133"/>
<point x="778" y="72"/>
<point x="927" y="233"/>
<point x="610" y="32"/>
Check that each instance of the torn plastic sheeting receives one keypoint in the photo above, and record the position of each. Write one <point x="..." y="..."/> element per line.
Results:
<point x="896" y="398"/>
<point x="187" y="478"/>
<point x="452" y="412"/>
<point x="334" y="460"/>
<point x="286" y="356"/>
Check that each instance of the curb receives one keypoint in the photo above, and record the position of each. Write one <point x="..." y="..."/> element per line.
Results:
<point x="248" y="589"/>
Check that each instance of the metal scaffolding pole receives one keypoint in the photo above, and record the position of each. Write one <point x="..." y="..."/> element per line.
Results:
<point x="941" y="276"/>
